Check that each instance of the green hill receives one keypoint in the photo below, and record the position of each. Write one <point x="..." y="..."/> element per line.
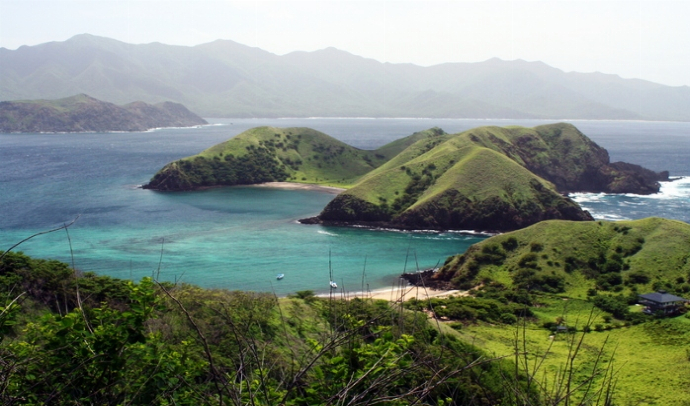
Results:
<point x="488" y="178"/>
<point x="82" y="113"/>
<point x="575" y="258"/>
<point x="267" y="154"/>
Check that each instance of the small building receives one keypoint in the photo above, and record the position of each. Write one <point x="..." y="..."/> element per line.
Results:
<point x="662" y="302"/>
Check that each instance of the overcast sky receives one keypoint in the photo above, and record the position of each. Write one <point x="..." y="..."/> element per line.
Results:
<point x="634" y="39"/>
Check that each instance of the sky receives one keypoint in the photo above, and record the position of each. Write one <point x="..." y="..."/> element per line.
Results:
<point x="634" y="39"/>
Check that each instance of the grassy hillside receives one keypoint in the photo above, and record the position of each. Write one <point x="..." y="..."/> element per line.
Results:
<point x="479" y="179"/>
<point x="559" y="291"/>
<point x="487" y="178"/>
<point x="578" y="259"/>
<point x="266" y="154"/>
<point x="649" y="360"/>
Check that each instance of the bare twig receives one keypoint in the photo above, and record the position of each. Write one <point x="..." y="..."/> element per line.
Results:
<point x="64" y="226"/>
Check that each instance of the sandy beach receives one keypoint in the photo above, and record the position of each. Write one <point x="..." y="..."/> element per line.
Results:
<point x="395" y="293"/>
<point x="301" y="186"/>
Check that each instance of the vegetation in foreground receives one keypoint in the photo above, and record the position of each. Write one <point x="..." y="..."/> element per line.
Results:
<point x="87" y="339"/>
<point x="646" y="363"/>
<point x="98" y="340"/>
<point x="558" y="282"/>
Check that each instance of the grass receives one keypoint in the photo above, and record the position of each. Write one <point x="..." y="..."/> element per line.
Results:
<point x="479" y="163"/>
<point x="650" y="359"/>
<point x="488" y="167"/>
<point x="656" y="248"/>
<point x="299" y="155"/>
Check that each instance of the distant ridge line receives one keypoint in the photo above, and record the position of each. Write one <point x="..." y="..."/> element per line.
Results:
<point x="226" y="79"/>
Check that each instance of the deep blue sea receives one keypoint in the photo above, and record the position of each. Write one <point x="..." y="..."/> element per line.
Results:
<point x="241" y="237"/>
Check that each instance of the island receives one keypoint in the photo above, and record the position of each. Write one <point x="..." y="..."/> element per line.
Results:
<point x="487" y="178"/>
<point x="82" y="113"/>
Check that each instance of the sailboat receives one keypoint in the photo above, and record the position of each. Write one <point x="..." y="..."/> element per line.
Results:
<point x="330" y="272"/>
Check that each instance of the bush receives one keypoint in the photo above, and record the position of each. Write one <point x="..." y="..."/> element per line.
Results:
<point x="510" y="244"/>
<point x="304" y="294"/>
<point x="508" y="318"/>
<point x="616" y="305"/>
<point x="607" y="280"/>
<point x="638" y="277"/>
<point x="456" y="326"/>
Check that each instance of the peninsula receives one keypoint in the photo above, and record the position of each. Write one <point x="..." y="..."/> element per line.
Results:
<point x="82" y="113"/>
<point x="488" y="178"/>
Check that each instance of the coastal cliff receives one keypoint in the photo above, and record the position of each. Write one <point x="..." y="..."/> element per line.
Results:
<point x="83" y="113"/>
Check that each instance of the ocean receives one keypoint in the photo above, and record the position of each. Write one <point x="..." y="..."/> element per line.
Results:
<point x="242" y="237"/>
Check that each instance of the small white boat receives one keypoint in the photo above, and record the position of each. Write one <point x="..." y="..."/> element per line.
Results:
<point x="280" y="276"/>
<point x="333" y="285"/>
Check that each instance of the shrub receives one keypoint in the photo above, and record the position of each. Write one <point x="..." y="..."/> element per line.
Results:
<point x="616" y="305"/>
<point x="638" y="277"/>
<point x="508" y="318"/>
<point x="510" y="244"/>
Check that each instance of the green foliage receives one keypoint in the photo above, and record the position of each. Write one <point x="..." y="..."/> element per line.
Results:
<point x="616" y="305"/>
<point x="493" y="178"/>
<point x="469" y="309"/>
<point x="510" y="243"/>
<point x="266" y="154"/>
<point x="528" y="279"/>
<point x="579" y="258"/>
<point x="101" y="356"/>
<point x="304" y="294"/>
<point x="166" y="344"/>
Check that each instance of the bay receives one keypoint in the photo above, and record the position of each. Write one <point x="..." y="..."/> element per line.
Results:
<point x="241" y="237"/>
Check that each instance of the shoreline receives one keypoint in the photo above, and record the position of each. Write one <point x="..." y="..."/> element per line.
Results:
<point x="398" y="293"/>
<point x="301" y="186"/>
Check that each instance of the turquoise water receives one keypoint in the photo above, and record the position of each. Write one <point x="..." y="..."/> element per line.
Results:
<point x="240" y="238"/>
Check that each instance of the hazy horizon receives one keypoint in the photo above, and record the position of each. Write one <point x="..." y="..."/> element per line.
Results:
<point x="641" y="39"/>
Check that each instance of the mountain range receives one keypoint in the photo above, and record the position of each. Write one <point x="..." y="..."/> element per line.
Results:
<point x="227" y="79"/>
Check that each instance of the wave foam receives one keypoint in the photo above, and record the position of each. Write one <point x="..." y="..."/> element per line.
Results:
<point x="677" y="188"/>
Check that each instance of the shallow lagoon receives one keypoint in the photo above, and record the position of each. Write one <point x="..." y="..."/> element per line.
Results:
<point x="240" y="238"/>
